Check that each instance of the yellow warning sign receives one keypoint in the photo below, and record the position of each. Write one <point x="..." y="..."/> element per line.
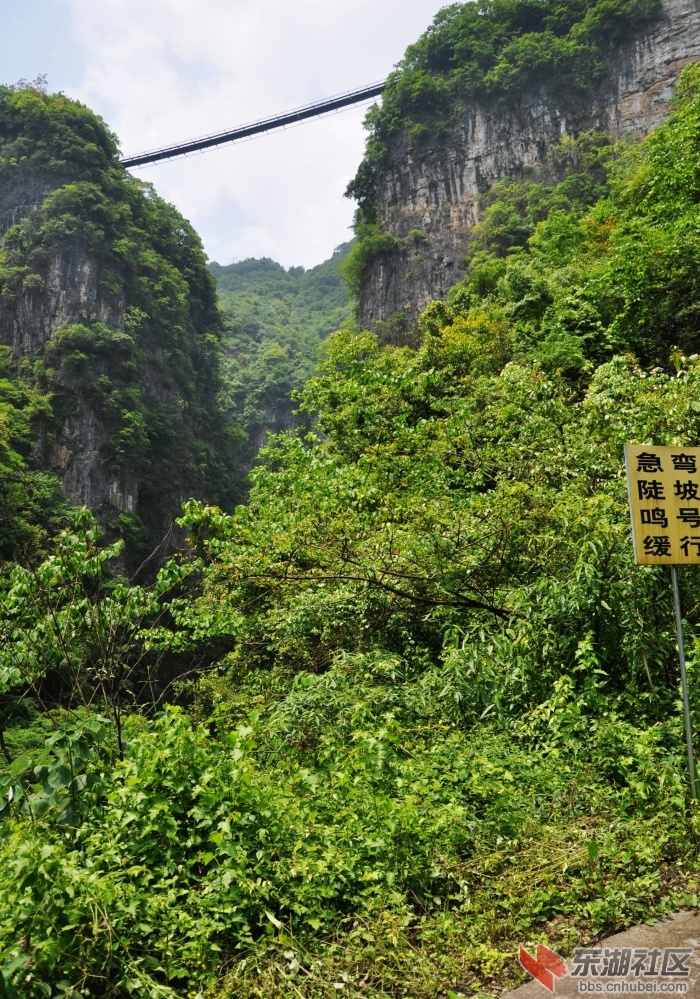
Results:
<point x="664" y="493"/>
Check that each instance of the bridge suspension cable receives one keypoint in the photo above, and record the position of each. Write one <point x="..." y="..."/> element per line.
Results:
<point x="257" y="127"/>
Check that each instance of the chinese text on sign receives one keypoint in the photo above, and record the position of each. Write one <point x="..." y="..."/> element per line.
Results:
<point x="664" y="494"/>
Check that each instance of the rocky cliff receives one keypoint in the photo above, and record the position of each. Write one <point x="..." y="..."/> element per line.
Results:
<point x="107" y="306"/>
<point x="427" y="195"/>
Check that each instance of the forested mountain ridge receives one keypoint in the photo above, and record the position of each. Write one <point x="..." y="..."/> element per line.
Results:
<point x="426" y="706"/>
<point x="483" y="98"/>
<point x="147" y="393"/>
<point x="108" y="312"/>
<point x="274" y="321"/>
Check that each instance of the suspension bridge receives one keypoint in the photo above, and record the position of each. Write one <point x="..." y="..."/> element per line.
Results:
<point x="257" y="127"/>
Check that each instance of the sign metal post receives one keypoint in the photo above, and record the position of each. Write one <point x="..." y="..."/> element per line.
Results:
<point x="684" y="682"/>
<point x="663" y="484"/>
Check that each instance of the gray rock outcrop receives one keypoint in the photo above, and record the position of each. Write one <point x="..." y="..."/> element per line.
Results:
<point x="436" y="189"/>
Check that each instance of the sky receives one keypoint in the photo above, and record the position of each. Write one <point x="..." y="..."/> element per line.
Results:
<point x="164" y="71"/>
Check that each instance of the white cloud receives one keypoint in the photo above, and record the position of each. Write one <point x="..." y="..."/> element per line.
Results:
<point x="163" y="71"/>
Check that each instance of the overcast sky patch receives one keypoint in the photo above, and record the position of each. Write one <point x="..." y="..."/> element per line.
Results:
<point x="164" y="71"/>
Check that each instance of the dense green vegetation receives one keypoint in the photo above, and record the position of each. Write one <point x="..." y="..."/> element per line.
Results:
<point x="139" y="350"/>
<point x="430" y="706"/>
<point x="274" y="323"/>
<point x="32" y="508"/>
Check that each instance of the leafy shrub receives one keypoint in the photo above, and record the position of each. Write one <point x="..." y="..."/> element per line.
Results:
<point x="71" y="631"/>
<point x="342" y="807"/>
<point x="371" y="244"/>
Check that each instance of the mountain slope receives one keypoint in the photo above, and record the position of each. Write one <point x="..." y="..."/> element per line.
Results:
<point x="275" y="321"/>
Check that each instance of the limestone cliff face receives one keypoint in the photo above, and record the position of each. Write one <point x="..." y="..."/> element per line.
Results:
<point x="107" y="307"/>
<point x="69" y="293"/>
<point x="436" y="189"/>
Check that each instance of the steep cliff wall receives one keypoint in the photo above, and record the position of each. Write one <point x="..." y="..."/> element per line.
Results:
<point x="434" y="188"/>
<point x="107" y="306"/>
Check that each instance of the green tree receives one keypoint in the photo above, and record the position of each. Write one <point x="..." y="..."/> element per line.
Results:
<point x="72" y="632"/>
